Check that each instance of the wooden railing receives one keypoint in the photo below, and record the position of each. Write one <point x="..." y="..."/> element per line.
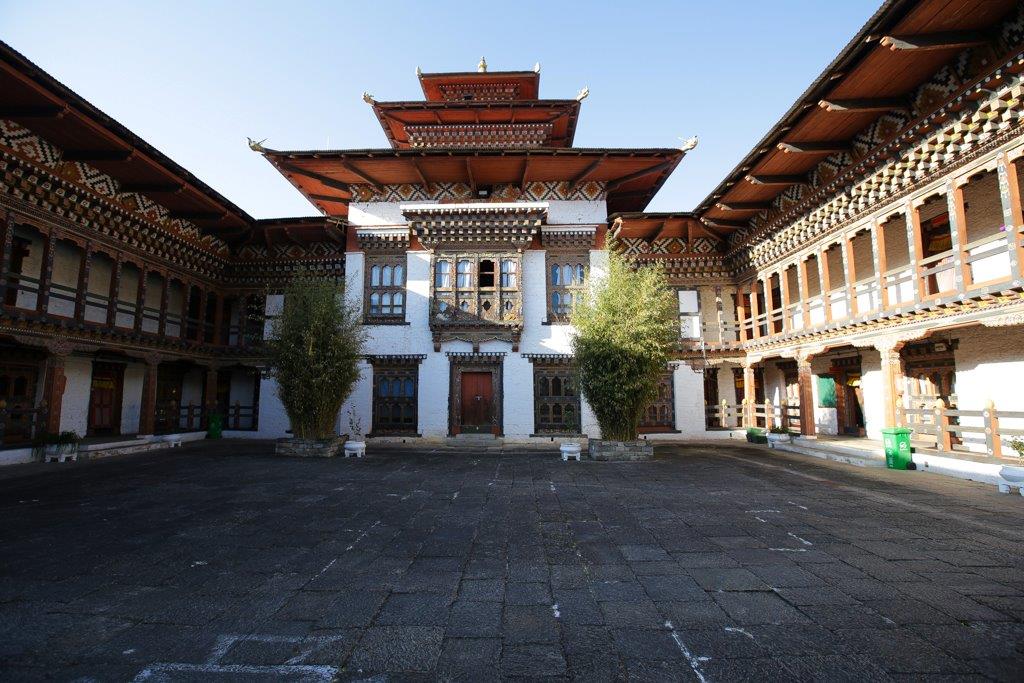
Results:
<point x="241" y="418"/>
<point x="171" y="417"/>
<point x="957" y="429"/>
<point x="20" y="425"/>
<point x="725" y="415"/>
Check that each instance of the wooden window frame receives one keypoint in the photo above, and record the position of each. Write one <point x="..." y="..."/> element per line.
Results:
<point x="664" y="404"/>
<point x="574" y="262"/>
<point x="381" y="290"/>
<point x="382" y="404"/>
<point x="545" y="374"/>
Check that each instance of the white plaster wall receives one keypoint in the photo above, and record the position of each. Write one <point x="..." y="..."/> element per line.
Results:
<point x="517" y="405"/>
<point x="560" y="212"/>
<point x="273" y="422"/>
<point x="826" y="421"/>
<point x="689" y="400"/>
<point x="131" y="397"/>
<point x="74" y="412"/>
<point x="990" y="366"/>
<point x="871" y="382"/>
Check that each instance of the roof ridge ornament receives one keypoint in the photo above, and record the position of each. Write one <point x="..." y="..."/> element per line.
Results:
<point x="482" y="66"/>
<point x="419" y="72"/>
<point x="582" y="94"/>
<point x="256" y="146"/>
<point x="689" y="143"/>
<point x="368" y="98"/>
<point x="536" y="68"/>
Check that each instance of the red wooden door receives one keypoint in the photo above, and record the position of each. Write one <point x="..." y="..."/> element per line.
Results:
<point x="105" y="399"/>
<point x="477" y="395"/>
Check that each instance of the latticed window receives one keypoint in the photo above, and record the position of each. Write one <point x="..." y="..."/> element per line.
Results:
<point x="556" y="400"/>
<point x="565" y="277"/>
<point x="443" y="275"/>
<point x="394" y="399"/>
<point x="660" y="416"/>
<point x="385" y="290"/>
<point x="509" y="274"/>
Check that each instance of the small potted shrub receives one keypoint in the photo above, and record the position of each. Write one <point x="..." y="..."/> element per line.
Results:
<point x="59" y="447"/>
<point x="756" y="435"/>
<point x="1013" y="474"/>
<point x="354" y="445"/>
<point x="778" y="434"/>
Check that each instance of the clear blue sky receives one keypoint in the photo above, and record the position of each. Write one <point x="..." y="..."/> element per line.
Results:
<point x="194" y="78"/>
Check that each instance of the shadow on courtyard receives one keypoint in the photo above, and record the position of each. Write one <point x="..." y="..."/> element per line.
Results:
<point x="715" y="560"/>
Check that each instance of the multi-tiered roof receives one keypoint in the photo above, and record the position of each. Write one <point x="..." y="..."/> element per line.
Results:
<point x="482" y="130"/>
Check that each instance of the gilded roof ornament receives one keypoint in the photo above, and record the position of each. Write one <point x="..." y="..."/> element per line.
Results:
<point x="256" y="146"/>
<point x="536" y="68"/>
<point x="688" y="143"/>
<point x="419" y="72"/>
<point x="368" y="98"/>
<point x="482" y="66"/>
<point x="582" y="94"/>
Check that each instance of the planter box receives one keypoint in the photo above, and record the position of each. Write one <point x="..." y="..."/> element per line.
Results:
<point x="309" y="448"/>
<point x="620" y="450"/>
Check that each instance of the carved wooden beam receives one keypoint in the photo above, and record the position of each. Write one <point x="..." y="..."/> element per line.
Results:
<point x="944" y="40"/>
<point x="858" y="106"/>
<point x="776" y="179"/>
<point x="813" y="147"/>
<point x="97" y="154"/>
<point x="744" y="206"/>
<point x="42" y="111"/>
<point x="322" y="179"/>
<point x="365" y="177"/>
<point x="152" y="187"/>
<point x="619" y="182"/>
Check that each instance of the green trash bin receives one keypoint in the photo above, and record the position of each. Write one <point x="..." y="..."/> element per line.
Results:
<point x="215" y="427"/>
<point x="897" y="447"/>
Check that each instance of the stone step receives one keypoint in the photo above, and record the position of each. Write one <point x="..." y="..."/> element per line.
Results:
<point x="829" y="451"/>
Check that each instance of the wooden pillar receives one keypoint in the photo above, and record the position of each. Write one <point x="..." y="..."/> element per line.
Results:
<point x="83" y="282"/>
<point x="879" y="261"/>
<point x="741" y="314"/>
<point x="140" y="298"/>
<point x="147" y="412"/>
<point x="787" y="299"/>
<point x="914" y="246"/>
<point x="114" y="292"/>
<point x="826" y="284"/>
<point x="769" y="305"/>
<point x="243" y="314"/>
<point x="958" y="234"/>
<point x="755" y="310"/>
<point x="720" y="314"/>
<point x="1009" y="194"/>
<point x="201" y="318"/>
<point x="54" y="383"/>
<point x="892" y="378"/>
<point x="165" y="298"/>
<point x="46" y="272"/>
<point x="218" y="319"/>
<point x="806" y="390"/>
<point x="6" y="252"/>
<point x="805" y="292"/>
<point x="850" y="275"/>
<point x="209" y="395"/>
<point x="749" y="395"/>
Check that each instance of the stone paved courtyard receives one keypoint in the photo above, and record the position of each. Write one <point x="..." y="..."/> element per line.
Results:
<point x="220" y="562"/>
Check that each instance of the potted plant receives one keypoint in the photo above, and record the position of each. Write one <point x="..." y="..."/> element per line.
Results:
<point x="1013" y="474"/>
<point x="778" y="434"/>
<point x="626" y="323"/>
<point x="756" y="435"/>
<point x="571" y="449"/>
<point x="59" y="447"/>
<point x="355" y="445"/>
<point x="313" y="353"/>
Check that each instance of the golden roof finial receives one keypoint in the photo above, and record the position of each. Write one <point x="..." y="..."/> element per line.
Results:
<point x="419" y="71"/>
<point x="368" y="98"/>
<point x="256" y="146"/>
<point x="536" y="68"/>
<point x="482" y="66"/>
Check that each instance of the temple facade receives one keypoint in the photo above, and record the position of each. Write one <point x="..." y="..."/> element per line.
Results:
<point x="860" y="268"/>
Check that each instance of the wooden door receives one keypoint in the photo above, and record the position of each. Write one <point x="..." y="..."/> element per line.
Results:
<point x="477" y="396"/>
<point x="105" y="399"/>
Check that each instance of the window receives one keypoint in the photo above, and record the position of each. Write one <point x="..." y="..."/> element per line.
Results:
<point x="660" y="416"/>
<point x="385" y="290"/>
<point x="565" y="276"/>
<point x="487" y="274"/>
<point x="556" y="401"/>
<point x="464" y="274"/>
<point x="689" y="314"/>
<point x="443" y="275"/>
<point x="394" y="400"/>
<point x="508" y="274"/>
